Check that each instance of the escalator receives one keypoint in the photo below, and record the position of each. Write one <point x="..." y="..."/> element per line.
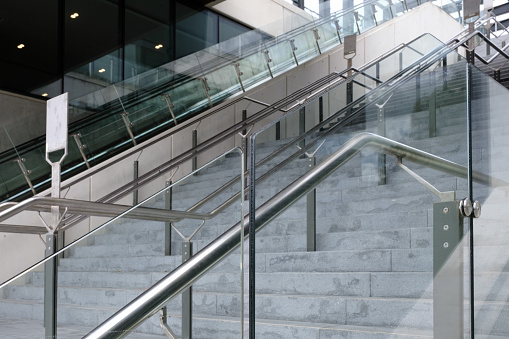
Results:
<point x="108" y="122"/>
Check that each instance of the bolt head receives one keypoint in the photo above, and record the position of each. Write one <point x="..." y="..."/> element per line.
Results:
<point x="446" y="210"/>
<point x="446" y="227"/>
<point x="477" y="209"/>
<point x="446" y="244"/>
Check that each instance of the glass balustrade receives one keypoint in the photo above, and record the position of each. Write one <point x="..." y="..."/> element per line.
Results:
<point x="124" y="256"/>
<point x="490" y="257"/>
<point x="371" y="251"/>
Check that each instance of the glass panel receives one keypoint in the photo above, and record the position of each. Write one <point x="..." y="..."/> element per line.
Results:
<point x="491" y="257"/>
<point x="101" y="272"/>
<point x="281" y="57"/>
<point x="305" y="44"/>
<point x="373" y="266"/>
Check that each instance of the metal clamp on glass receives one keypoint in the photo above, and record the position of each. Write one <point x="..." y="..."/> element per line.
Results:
<point x="81" y="147"/>
<point x="294" y="48"/>
<point x="317" y="37"/>
<point x="25" y="172"/>
<point x="167" y="97"/>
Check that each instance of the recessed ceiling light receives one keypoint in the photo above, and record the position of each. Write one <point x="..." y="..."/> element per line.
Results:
<point x="45" y="94"/>
<point x="102" y="70"/>
<point x="20" y="46"/>
<point x="74" y="15"/>
<point x="159" y="46"/>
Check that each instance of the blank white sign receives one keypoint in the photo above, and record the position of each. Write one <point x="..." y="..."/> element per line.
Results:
<point x="56" y="123"/>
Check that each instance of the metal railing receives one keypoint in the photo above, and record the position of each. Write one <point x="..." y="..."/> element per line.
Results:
<point x="294" y="101"/>
<point x="201" y="71"/>
<point x="152" y="300"/>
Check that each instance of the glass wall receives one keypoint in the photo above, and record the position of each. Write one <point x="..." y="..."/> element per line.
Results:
<point x="80" y="47"/>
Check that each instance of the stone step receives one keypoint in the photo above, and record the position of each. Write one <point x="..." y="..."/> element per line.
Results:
<point x="375" y="314"/>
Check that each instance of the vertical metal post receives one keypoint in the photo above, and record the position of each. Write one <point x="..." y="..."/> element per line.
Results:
<point x="252" y="239"/>
<point x="320" y="109"/>
<point x="377" y="72"/>
<point x="444" y="72"/>
<point x="488" y="34"/>
<point x="418" y="92"/>
<point x="244" y="117"/>
<point x="382" y="167"/>
<point x="311" y="213"/>
<point x="448" y="295"/>
<point x="400" y="61"/>
<point x="244" y="139"/>
<point x="194" y="143"/>
<point x="302" y="125"/>
<point x="135" y="177"/>
<point x="50" y="288"/>
<point x="56" y="145"/>
<point x="433" y="107"/>
<point x="187" y="296"/>
<point x="168" y="196"/>
<point x="349" y="96"/>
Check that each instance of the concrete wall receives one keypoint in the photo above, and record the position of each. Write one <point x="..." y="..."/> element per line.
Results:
<point x="275" y="17"/>
<point x="426" y="18"/>
<point x="22" y="119"/>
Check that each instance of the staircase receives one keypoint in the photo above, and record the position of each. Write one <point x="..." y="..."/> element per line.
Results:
<point x="372" y="273"/>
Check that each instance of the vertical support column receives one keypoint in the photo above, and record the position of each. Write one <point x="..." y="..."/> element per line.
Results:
<point x="400" y="61"/>
<point x="448" y="277"/>
<point x="187" y="296"/>
<point x="324" y="8"/>
<point x="311" y="212"/>
<point x="382" y="167"/>
<point x="168" y="196"/>
<point x="50" y="288"/>
<point x="135" y="177"/>
<point x="194" y="143"/>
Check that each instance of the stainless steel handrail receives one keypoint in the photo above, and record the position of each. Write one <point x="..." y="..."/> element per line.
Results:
<point x="152" y="300"/>
<point x="90" y="208"/>
<point x="326" y="84"/>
